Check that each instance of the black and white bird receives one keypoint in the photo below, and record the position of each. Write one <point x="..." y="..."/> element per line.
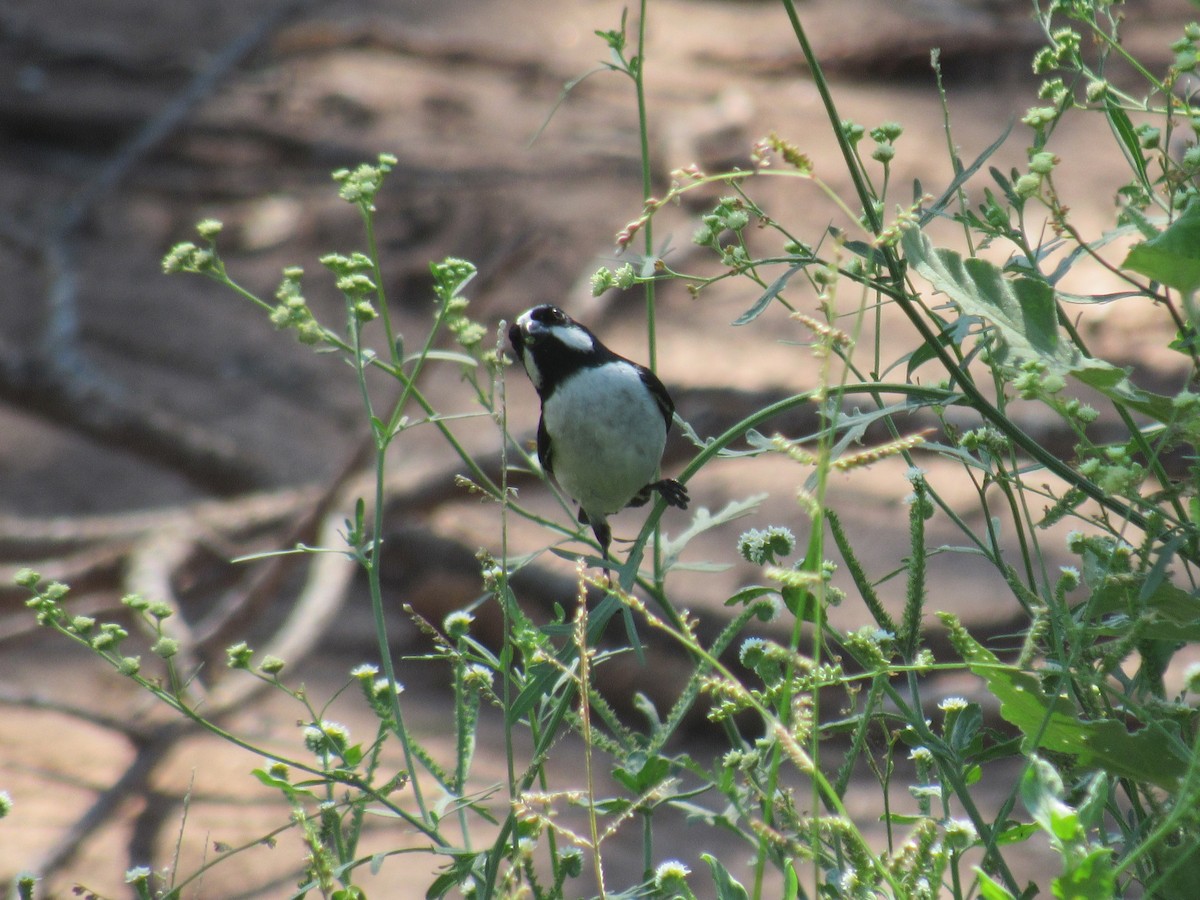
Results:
<point x="604" y="418"/>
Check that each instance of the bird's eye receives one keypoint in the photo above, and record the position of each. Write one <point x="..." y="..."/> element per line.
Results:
<point x="549" y="315"/>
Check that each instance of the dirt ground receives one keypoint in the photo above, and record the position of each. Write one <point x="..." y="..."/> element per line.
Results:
<point x="152" y="428"/>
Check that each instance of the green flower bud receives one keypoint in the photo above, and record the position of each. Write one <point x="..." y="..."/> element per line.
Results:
<point x="1042" y="163"/>
<point x="766" y="547"/>
<point x="1097" y="90"/>
<point x="458" y="624"/>
<point x="602" y="280"/>
<point x="883" y="153"/>
<point x="27" y="578"/>
<point x="136" y="602"/>
<point x="1028" y="185"/>
<point x="327" y="737"/>
<point x="209" y="228"/>
<point x="238" y="656"/>
<point x="625" y="277"/>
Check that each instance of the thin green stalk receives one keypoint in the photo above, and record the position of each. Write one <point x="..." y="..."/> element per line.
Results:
<point x="371" y="563"/>
<point x="508" y="648"/>
<point x="385" y="315"/>
<point x="639" y="80"/>
<point x="935" y="60"/>
<point x="383" y="437"/>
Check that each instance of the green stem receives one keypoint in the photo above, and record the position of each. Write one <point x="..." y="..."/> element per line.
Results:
<point x="385" y="315"/>
<point x="639" y="81"/>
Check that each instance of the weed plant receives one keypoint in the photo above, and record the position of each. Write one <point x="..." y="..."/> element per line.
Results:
<point x="1107" y="754"/>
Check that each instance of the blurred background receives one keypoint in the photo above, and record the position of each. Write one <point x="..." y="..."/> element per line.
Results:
<point x="152" y="428"/>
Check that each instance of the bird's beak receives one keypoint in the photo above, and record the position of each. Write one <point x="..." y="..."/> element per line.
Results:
<point x="516" y="337"/>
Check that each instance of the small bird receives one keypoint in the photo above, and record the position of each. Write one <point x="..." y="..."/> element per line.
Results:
<point x="604" y="418"/>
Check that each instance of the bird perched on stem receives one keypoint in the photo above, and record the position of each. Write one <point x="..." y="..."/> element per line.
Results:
<point x="604" y="418"/>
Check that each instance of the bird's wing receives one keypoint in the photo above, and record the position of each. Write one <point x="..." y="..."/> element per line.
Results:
<point x="543" y="446"/>
<point x="659" y="392"/>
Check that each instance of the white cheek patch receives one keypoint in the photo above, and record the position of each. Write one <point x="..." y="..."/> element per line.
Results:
<point x="575" y="338"/>
<point x="531" y="370"/>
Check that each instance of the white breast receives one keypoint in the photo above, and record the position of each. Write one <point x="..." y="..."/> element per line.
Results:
<point x="607" y="436"/>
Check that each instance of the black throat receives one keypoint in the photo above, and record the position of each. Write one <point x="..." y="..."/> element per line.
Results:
<point x="556" y="361"/>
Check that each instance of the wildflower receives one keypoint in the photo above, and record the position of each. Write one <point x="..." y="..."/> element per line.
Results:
<point x="602" y="280"/>
<point x="458" y="623"/>
<point x="238" y="655"/>
<point x="767" y="546"/>
<point x="160" y="609"/>
<point x="27" y="578"/>
<point x="671" y="876"/>
<point x="327" y="737"/>
<point x="135" y="602"/>
<point x="209" y="228"/>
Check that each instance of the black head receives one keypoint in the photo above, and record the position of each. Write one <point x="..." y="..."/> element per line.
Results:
<point x="550" y="345"/>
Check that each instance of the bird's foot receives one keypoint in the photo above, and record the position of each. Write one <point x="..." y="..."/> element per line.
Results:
<point x="674" y="493"/>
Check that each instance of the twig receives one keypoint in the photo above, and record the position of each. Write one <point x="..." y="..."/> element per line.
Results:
<point x="57" y="379"/>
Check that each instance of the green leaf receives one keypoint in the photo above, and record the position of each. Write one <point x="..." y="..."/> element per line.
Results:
<point x="445" y="356"/>
<point x="989" y="889"/>
<point x="290" y="790"/>
<point x="902" y="818"/>
<point x="964" y="733"/>
<point x="641" y="779"/>
<point x="1016" y="834"/>
<point x="953" y="333"/>
<point x="1149" y="755"/>
<point x="773" y="290"/>
<point x="791" y="882"/>
<point x="1024" y="318"/>
<point x="962" y="177"/>
<point x="749" y="594"/>
<point x="727" y="886"/>
<point x="1091" y="876"/>
<point x="1166" y="611"/>
<point x="612" y="806"/>
<point x="1123" y="126"/>
<point x="1091" y="809"/>
<point x="463" y="864"/>
<point x="1042" y="793"/>
<point x="702" y="521"/>
<point x="1173" y="256"/>
<point x="1179" y="862"/>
